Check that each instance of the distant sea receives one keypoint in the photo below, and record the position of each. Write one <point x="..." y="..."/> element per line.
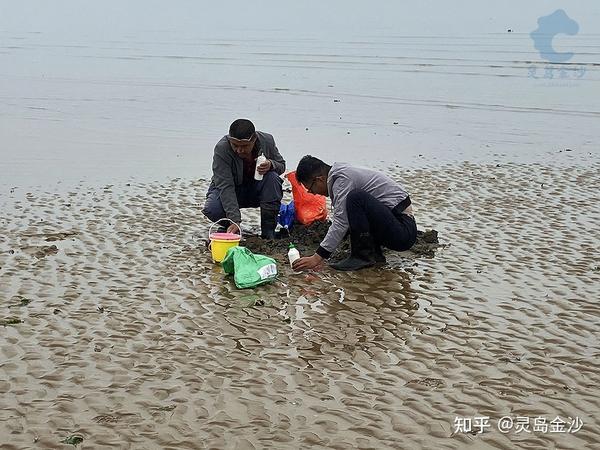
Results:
<point x="105" y="91"/>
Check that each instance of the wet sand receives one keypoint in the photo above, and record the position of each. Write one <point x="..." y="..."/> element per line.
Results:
<point x="119" y="329"/>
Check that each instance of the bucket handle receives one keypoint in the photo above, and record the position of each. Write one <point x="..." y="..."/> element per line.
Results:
<point x="214" y="223"/>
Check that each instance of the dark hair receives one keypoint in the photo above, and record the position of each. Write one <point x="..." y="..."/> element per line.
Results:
<point x="310" y="167"/>
<point x="241" y="129"/>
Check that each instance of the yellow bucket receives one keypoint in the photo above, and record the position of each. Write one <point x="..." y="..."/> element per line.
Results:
<point x="221" y="242"/>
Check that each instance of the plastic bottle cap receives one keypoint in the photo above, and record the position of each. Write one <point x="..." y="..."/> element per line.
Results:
<point x="291" y="245"/>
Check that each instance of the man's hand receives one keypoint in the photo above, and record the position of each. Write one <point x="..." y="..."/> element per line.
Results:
<point x="314" y="262"/>
<point x="264" y="167"/>
<point x="233" y="228"/>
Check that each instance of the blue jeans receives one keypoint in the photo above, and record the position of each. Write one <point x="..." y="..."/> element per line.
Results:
<point x="267" y="192"/>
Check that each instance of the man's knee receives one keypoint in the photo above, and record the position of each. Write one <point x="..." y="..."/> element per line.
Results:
<point x="213" y="210"/>
<point x="211" y="214"/>
<point x="272" y="178"/>
<point x="272" y="186"/>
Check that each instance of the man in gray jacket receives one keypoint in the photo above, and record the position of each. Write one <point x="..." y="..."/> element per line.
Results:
<point x="370" y="205"/>
<point x="233" y="185"/>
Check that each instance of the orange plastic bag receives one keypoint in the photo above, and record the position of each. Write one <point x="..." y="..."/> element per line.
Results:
<point x="309" y="207"/>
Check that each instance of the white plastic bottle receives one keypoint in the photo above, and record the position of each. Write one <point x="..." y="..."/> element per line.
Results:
<point x="261" y="159"/>
<point x="293" y="254"/>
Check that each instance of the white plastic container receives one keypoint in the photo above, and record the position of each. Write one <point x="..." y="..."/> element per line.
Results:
<point x="261" y="159"/>
<point x="293" y="254"/>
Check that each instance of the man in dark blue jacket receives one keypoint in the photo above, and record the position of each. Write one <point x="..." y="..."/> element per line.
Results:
<point x="233" y="185"/>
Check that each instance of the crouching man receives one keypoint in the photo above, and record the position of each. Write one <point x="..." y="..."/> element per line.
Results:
<point x="373" y="207"/>
<point x="233" y="185"/>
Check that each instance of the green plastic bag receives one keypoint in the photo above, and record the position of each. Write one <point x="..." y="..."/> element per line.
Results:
<point x="249" y="270"/>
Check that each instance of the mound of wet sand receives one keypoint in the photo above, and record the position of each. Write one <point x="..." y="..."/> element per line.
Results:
<point x="427" y="243"/>
<point x="308" y="238"/>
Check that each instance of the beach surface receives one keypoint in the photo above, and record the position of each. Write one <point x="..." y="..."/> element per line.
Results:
<point x="119" y="329"/>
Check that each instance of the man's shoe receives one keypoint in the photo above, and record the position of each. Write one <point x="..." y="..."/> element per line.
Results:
<point x="363" y="253"/>
<point x="268" y="235"/>
<point x="352" y="263"/>
<point x="378" y="255"/>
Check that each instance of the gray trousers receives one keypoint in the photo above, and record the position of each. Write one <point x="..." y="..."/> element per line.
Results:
<point x="266" y="193"/>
